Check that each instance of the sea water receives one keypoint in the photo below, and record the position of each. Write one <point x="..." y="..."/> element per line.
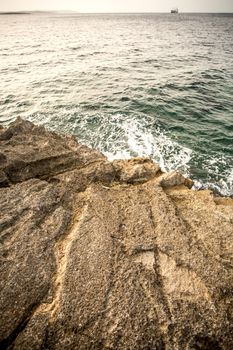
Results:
<point x="151" y="85"/>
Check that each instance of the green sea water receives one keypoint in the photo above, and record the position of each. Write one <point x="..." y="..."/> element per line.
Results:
<point x="154" y="85"/>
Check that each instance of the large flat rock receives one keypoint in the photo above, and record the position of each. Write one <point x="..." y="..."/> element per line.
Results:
<point x="101" y="255"/>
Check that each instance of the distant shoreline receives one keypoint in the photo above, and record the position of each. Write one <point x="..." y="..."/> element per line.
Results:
<point x="15" y="13"/>
<point x="27" y="12"/>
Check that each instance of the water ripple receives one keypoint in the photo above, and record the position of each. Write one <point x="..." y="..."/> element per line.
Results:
<point x="132" y="85"/>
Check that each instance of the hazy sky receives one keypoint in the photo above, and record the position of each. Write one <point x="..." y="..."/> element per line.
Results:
<point x="119" y="5"/>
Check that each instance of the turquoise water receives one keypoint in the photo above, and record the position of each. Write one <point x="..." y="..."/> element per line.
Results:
<point x="156" y="85"/>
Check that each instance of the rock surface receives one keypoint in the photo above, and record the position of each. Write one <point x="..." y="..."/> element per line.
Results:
<point x="101" y="255"/>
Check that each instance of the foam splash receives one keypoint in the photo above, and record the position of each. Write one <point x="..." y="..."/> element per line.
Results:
<point x="122" y="136"/>
<point x="145" y="140"/>
<point x="223" y="186"/>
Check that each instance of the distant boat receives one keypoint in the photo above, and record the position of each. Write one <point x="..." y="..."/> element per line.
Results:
<point x="175" y="10"/>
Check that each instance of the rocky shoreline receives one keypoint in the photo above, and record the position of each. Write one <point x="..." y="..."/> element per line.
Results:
<point x="108" y="255"/>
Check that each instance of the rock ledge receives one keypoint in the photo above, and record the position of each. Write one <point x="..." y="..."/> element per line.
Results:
<point x="108" y="255"/>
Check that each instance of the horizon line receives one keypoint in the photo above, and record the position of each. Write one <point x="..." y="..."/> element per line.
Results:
<point x="107" y="12"/>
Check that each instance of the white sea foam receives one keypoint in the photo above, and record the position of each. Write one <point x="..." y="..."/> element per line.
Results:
<point x="219" y="176"/>
<point x="122" y="137"/>
<point x="144" y="140"/>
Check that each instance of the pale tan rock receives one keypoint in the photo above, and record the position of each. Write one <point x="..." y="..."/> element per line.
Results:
<point x="175" y="179"/>
<point x="30" y="151"/>
<point x="136" y="170"/>
<point x="100" y="255"/>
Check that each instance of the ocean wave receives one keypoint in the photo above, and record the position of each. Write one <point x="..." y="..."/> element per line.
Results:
<point x="223" y="186"/>
<point x="143" y="138"/>
<point x="122" y="136"/>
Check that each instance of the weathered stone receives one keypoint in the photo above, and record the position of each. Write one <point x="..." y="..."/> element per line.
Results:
<point x="30" y="151"/>
<point x="136" y="170"/>
<point x="100" y="255"/>
<point x="175" y="179"/>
